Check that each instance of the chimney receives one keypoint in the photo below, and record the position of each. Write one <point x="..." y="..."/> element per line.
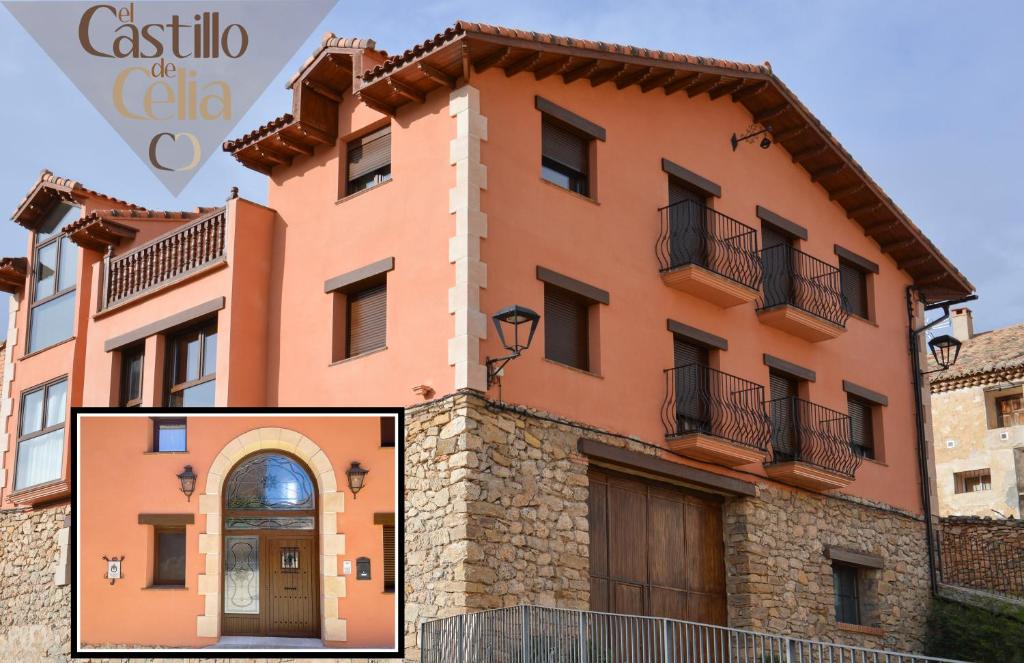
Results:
<point x="963" y="323"/>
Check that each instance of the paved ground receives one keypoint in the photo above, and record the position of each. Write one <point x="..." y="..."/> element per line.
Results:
<point x="246" y="642"/>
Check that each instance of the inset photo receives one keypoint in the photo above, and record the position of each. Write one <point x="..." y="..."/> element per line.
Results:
<point x="237" y="533"/>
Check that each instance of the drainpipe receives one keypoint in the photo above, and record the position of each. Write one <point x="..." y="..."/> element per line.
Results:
<point x="922" y="438"/>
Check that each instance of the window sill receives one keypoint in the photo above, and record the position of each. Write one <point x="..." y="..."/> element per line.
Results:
<point x="580" y="196"/>
<point x="860" y="628"/>
<point x="573" y="368"/>
<point x="163" y="453"/>
<point x="46" y="492"/>
<point x="350" y="196"/>
<point x="49" y="347"/>
<point x="876" y="461"/>
<point x="359" y="356"/>
<point x="867" y="321"/>
<point x="165" y="588"/>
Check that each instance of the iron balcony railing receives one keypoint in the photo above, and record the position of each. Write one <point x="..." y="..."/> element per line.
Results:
<point x="530" y="634"/>
<point x="813" y="434"/>
<point x="700" y="399"/>
<point x="695" y="234"/>
<point x="798" y="279"/>
<point x="188" y="249"/>
<point x="988" y="565"/>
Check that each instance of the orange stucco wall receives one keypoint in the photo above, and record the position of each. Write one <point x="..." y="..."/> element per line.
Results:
<point x="119" y="479"/>
<point x="609" y="243"/>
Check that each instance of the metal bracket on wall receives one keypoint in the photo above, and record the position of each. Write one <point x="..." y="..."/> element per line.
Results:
<point x="113" y="573"/>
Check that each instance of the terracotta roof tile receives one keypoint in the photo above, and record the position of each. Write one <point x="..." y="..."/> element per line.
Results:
<point x="988" y="352"/>
<point x="258" y="133"/>
<point x="48" y="179"/>
<point x="463" y="27"/>
<point x="330" y="40"/>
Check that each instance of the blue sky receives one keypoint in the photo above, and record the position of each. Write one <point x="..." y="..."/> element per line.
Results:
<point x="923" y="94"/>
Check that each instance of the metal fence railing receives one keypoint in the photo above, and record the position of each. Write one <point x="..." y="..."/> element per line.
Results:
<point x="814" y="434"/>
<point x="801" y="280"/>
<point x="700" y="399"/>
<point x="532" y="634"/>
<point x="695" y="234"/>
<point x="985" y="564"/>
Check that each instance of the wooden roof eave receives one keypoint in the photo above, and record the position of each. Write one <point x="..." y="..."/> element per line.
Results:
<point x="99" y="234"/>
<point x="13" y="274"/>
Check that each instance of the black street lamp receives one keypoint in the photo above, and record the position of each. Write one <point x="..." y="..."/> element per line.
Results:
<point x="513" y="320"/>
<point x="356" y="477"/>
<point x="946" y="350"/>
<point x="188" y="482"/>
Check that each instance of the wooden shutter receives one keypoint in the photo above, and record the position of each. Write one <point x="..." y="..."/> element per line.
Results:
<point x="367" y="315"/>
<point x="691" y="386"/>
<point x="862" y="434"/>
<point x="678" y="191"/>
<point x="784" y="437"/>
<point x="389" y="557"/>
<point x="855" y="288"/>
<point x="781" y="386"/>
<point x="368" y="153"/>
<point x="566" y="333"/>
<point x="1010" y="411"/>
<point x="688" y="353"/>
<point x="563" y="145"/>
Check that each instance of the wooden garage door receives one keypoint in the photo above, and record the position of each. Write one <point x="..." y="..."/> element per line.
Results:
<point x="655" y="549"/>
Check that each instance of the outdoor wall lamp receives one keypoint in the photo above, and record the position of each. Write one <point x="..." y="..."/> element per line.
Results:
<point x="945" y="349"/>
<point x="356" y="477"/>
<point x="753" y="132"/>
<point x="514" y="319"/>
<point x="188" y="482"/>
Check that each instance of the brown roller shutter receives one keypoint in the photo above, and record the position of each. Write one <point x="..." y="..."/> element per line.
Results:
<point x="566" y="333"/>
<point x="389" y="558"/>
<point x="689" y="353"/>
<point x="368" y="153"/>
<point x="855" y="290"/>
<point x="862" y="434"/>
<point x="563" y="145"/>
<point x="782" y="390"/>
<point x="367" y="315"/>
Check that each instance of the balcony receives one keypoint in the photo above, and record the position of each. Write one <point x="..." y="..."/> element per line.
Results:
<point x="708" y="255"/>
<point x="810" y="445"/>
<point x="715" y="417"/>
<point x="162" y="261"/>
<point x="802" y="295"/>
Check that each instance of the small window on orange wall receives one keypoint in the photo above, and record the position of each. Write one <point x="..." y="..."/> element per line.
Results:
<point x="368" y="161"/>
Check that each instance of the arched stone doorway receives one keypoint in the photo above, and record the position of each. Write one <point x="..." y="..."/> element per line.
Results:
<point x="270" y="548"/>
<point x="331" y="502"/>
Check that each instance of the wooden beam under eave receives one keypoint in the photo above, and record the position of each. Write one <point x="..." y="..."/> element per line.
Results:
<point x="682" y="83"/>
<point x="253" y="164"/>
<point x="660" y="80"/>
<point x="406" y="90"/>
<point x="272" y="156"/>
<point x="702" y="86"/>
<point x="376" y="104"/>
<point x="916" y="262"/>
<point x="494" y="59"/>
<point x="323" y="90"/>
<point x="624" y="80"/>
<point x="934" y="277"/>
<point x="723" y="89"/>
<point x="606" y="75"/>
<point x="10" y="284"/>
<point x="890" y="247"/>
<point x="315" y="134"/>
<point x="556" y="66"/>
<point x="525" y="63"/>
<point x="881" y="227"/>
<point x="467" y="62"/>
<point x="749" y="91"/>
<point x="846" y="191"/>
<point x="787" y="134"/>
<point x="809" y="153"/>
<point x="582" y="71"/>
<point x="771" y="113"/>
<point x="828" y="171"/>
<point x="865" y="209"/>
<point x="289" y="144"/>
<point x="436" y="75"/>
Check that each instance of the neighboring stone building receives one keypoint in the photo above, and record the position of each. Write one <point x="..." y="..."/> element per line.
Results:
<point x="715" y="421"/>
<point x="978" y="423"/>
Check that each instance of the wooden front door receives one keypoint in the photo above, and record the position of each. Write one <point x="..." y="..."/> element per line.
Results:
<point x="655" y="549"/>
<point x="292" y="587"/>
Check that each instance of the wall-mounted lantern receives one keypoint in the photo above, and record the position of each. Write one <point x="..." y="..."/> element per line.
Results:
<point x="188" y="482"/>
<point x="356" y="477"/>
<point x="945" y="349"/>
<point x="753" y="131"/>
<point x="514" y="321"/>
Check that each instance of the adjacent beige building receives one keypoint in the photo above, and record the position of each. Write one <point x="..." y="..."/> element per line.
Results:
<point x="978" y="423"/>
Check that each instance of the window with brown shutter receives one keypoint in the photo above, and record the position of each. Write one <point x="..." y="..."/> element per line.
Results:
<point x="862" y="431"/>
<point x="389" y="557"/>
<point x="565" y="156"/>
<point x="366" y="315"/>
<point x="854" y="283"/>
<point x="566" y="327"/>
<point x="388" y="429"/>
<point x="369" y="161"/>
<point x="972" y="481"/>
<point x="169" y="556"/>
<point x="1010" y="410"/>
<point x="131" y="376"/>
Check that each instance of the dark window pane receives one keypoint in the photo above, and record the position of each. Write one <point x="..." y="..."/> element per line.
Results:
<point x="170" y="558"/>
<point x="46" y="271"/>
<point x="32" y="412"/>
<point x="269" y="481"/>
<point x="189" y="368"/>
<point x="51" y="322"/>
<point x="844" y="581"/>
<point x="853" y="283"/>
<point x="68" y="263"/>
<point x="210" y="353"/>
<point x="862" y="434"/>
<point x="170" y="436"/>
<point x="56" y="403"/>
<point x="131" y="380"/>
<point x="388" y="428"/>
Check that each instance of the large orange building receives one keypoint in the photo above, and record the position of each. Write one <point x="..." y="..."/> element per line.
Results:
<point x="715" y="419"/>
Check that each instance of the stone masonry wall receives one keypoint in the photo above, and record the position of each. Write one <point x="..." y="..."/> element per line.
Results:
<point x="35" y="612"/>
<point x="983" y="554"/>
